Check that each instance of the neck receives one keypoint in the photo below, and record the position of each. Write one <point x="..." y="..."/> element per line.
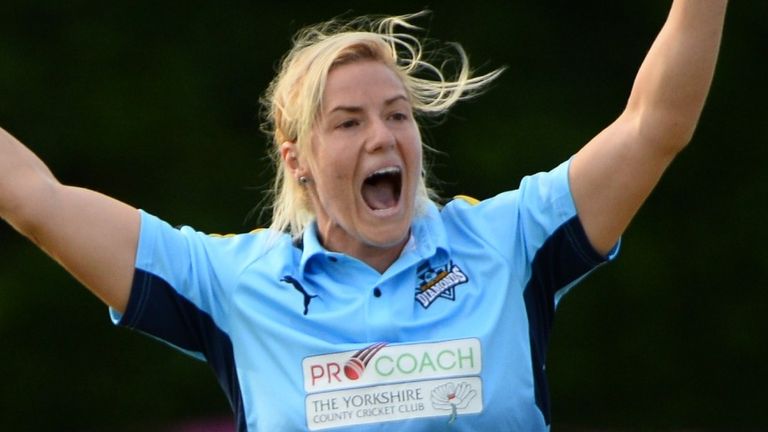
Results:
<point x="378" y="257"/>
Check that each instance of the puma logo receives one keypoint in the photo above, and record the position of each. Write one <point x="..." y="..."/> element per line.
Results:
<point x="307" y="298"/>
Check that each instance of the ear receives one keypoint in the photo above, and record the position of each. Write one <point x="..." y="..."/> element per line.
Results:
<point x="290" y="156"/>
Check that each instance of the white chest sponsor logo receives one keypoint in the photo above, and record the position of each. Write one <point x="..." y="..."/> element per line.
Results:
<point x="384" y="383"/>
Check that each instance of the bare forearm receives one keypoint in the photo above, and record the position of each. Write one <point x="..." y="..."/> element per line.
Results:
<point x="674" y="80"/>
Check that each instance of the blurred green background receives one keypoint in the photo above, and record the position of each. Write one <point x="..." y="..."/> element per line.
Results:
<point x="156" y="103"/>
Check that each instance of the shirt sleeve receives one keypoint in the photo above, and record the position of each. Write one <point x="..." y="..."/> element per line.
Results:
<point x="536" y="228"/>
<point x="181" y="287"/>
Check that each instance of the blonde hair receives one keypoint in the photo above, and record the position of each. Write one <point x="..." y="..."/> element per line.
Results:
<point x="292" y="101"/>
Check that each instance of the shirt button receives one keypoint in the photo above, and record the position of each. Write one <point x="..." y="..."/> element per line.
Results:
<point x="376" y="292"/>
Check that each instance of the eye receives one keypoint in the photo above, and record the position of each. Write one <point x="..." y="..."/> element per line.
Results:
<point x="399" y="116"/>
<point x="348" y="124"/>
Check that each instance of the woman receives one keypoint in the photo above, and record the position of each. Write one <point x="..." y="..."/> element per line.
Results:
<point x="365" y="305"/>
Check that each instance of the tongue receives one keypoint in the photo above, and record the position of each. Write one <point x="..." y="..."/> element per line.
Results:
<point x="379" y="195"/>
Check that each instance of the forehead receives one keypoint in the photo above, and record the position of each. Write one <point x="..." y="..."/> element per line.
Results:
<point x="361" y="83"/>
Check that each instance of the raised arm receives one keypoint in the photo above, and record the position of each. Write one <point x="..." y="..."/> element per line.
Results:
<point x="615" y="172"/>
<point x="93" y="236"/>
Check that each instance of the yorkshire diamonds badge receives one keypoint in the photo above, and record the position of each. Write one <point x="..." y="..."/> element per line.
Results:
<point x="439" y="282"/>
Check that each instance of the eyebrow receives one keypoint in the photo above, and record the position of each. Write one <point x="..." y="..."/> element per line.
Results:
<point x="356" y="109"/>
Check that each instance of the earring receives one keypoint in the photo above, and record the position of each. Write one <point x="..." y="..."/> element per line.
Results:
<point x="303" y="180"/>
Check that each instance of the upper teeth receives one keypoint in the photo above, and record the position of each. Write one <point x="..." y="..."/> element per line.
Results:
<point x="387" y="170"/>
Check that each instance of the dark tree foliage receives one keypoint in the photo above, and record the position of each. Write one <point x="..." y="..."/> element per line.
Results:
<point x="156" y="103"/>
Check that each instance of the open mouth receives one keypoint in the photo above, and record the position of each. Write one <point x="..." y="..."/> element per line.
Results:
<point x="381" y="190"/>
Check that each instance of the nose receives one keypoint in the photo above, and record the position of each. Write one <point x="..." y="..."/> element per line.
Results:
<point x="381" y="137"/>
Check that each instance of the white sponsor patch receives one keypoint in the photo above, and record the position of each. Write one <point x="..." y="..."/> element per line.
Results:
<point x="432" y="398"/>
<point x="380" y="383"/>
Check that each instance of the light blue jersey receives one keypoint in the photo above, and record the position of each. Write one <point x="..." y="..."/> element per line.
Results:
<point x="453" y="336"/>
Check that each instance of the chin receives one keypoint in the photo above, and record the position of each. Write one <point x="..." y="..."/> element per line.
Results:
<point x="388" y="239"/>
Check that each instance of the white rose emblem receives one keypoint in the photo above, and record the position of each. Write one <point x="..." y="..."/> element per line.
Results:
<point x="452" y="397"/>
